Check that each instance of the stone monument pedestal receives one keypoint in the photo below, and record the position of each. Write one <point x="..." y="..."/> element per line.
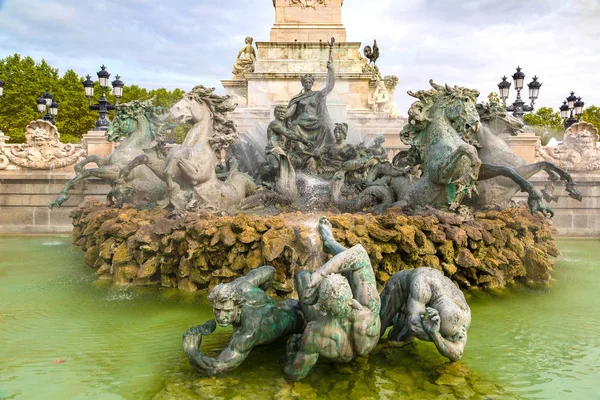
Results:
<point x="523" y="145"/>
<point x="299" y="46"/>
<point x="308" y="21"/>
<point x="98" y="144"/>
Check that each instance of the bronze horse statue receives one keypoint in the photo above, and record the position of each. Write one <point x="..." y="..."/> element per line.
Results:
<point x="133" y="127"/>
<point x="439" y="124"/>
<point x="188" y="170"/>
<point x="453" y="151"/>
<point x="506" y="173"/>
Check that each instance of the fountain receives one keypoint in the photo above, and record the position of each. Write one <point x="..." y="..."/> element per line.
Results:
<point x="434" y="220"/>
<point x="410" y="235"/>
<point x="225" y="234"/>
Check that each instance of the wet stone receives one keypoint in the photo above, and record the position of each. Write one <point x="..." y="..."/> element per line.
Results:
<point x="394" y="242"/>
<point x="463" y="392"/>
<point x="450" y="380"/>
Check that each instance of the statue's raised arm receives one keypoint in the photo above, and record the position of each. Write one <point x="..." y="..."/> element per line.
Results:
<point x="330" y="71"/>
<point x="345" y="323"/>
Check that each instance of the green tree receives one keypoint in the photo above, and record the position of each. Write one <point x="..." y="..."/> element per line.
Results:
<point x="545" y="117"/>
<point x="26" y="80"/>
<point x="74" y="116"/>
<point x="592" y="115"/>
<point x="164" y="98"/>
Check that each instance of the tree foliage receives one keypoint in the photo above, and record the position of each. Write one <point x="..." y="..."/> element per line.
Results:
<point x="25" y="80"/>
<point x="545" y="117"/>
<point x="493" y="98"/>
<point x="592" y="115"/>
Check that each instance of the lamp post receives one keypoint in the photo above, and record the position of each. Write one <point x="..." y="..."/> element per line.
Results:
<point x="518" y="107"/>
<point x="571" y="110"/>
<point x="47" y="107"/>
<point x="103" y="106"/>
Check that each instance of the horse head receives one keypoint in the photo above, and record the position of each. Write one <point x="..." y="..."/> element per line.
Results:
<point x="189" y="110"/>
<point x="441" y="129"/>
<point x="132" y="118"/>
<point x="201" y="105"/>
<point x="460" y="109"/>
<point x="499" y="120"/>
<point x="457" y="106"/>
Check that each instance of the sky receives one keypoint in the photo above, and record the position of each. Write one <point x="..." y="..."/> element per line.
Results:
<point x="182" y="43"/>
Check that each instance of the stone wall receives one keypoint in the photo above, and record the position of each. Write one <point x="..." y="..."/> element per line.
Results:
<point x="25" y="196"/>
<point x="26" y="193"/>
<point x="574" y="218"/>
<point x="493" y="250"/>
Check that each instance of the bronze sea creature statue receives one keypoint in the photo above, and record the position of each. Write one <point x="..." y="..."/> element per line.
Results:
<point x="255" y="317"/>
<point x="423" y="303"/>
<point x="188" y="170"/>
<point x="440" y="126"/>
<point x="503" y="173"/>
<point x="458" y="160"/>
<point x="341" y="304"/>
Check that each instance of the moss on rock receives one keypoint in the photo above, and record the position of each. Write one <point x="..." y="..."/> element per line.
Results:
<point x="495" y="249"/>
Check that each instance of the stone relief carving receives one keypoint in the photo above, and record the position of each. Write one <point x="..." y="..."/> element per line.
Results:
<point x="43" y="149"/>
<point x="308" y="3"/>
<point x="579" y="150"/>
<point x="379" y="98"/>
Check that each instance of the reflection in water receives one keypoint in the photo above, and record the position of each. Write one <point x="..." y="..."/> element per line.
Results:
<point x="125" y="342"/>
<point x="545" y="343"/>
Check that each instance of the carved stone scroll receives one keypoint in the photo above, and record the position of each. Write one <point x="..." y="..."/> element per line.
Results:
<point x="43" y="149"/>
<point x="579" y="150"/>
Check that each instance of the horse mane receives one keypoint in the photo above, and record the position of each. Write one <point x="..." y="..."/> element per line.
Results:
<point x="489" y="112"/>
<point x="138" y="108"/>
<point x="418" y="114"/>
<point x="143" y="109"/>
<point x="225" y="130"/>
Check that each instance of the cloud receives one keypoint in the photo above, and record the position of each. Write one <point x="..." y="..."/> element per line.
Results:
<point x="186" y="42"/>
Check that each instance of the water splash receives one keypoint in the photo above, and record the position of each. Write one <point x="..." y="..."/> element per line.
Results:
<point x="314" y="191"/>
<point x="249" y="149"/>
<point x="123" y="294"/>
<point x="53" y="243"/>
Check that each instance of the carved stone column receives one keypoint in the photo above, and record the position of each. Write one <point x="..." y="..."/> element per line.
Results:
<point x="523" y="145"/>
<point x="308" y="21"/>
<point x="98" y="144"/>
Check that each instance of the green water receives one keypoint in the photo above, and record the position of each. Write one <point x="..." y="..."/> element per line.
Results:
<point x="126" y="342"/>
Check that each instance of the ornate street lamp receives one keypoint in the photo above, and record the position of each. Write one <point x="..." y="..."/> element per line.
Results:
<point x="117" y="85"/>
<point x="518" y="107"/>
<point x="47" y="107"/>
<point x="571" y="110"/>
<point x="103" y="106"/>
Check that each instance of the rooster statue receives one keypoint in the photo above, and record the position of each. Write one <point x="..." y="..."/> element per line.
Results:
<point x="372" y="54"/>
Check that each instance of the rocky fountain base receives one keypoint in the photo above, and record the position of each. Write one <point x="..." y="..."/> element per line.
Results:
<point x="493" y="249"/>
